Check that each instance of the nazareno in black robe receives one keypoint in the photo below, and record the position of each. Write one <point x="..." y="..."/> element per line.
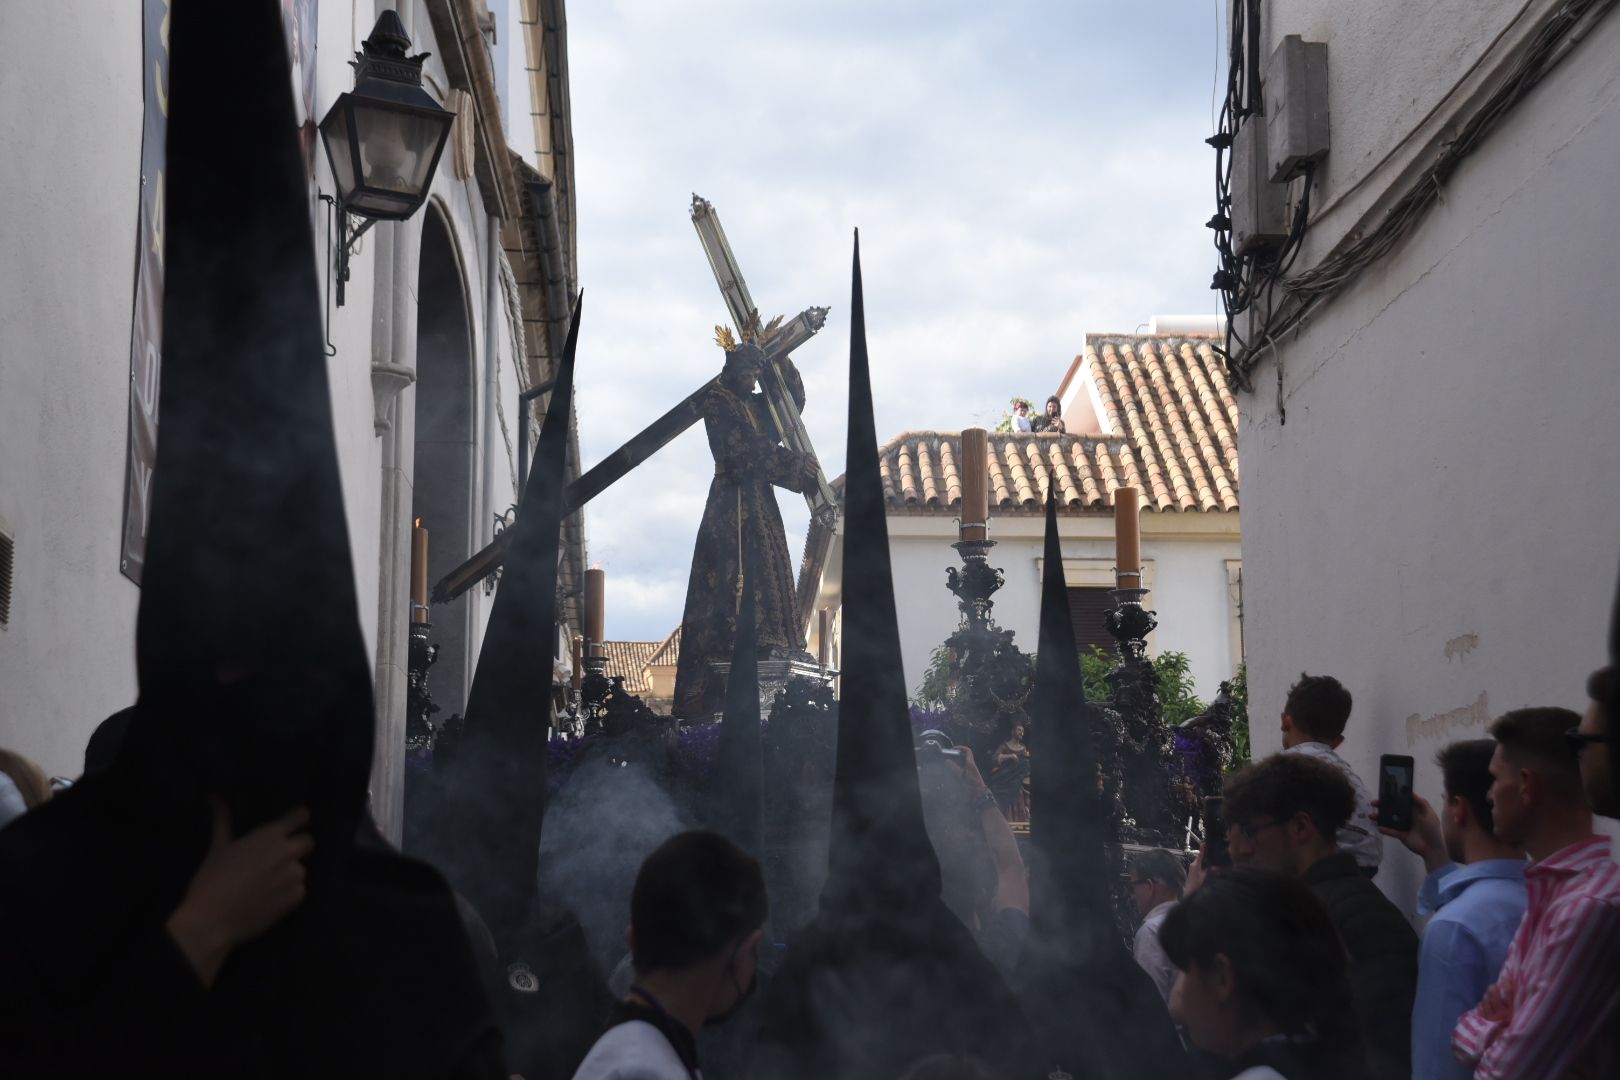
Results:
<point x="372" y="976"/>
<point x="255" y="681"/>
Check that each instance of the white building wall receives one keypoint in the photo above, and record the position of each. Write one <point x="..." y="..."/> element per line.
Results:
<point x="1435" y="524"/>
<point x="69" y="192"/>
<point x="68" y="203"/>
<point x="1189" y="591"/>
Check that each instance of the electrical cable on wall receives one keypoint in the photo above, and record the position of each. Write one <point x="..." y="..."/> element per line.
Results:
<point x="1248" y="283"/>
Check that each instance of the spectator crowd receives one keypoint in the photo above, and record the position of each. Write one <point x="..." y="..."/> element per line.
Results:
<point x="1279" y="956"/>
<point x="1274" y="952"/>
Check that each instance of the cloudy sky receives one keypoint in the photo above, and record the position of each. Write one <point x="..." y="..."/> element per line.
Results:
<point x="1022" y="173"/>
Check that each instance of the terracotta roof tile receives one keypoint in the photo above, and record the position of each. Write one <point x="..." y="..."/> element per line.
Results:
<point x="630" y="659"/>
<point x="931" y="481"/>
<point x="1171" y="420"/>
<point x="669" y="650"/>
<point x="952" y="478"/>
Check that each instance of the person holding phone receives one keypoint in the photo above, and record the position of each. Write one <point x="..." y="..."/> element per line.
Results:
<point x="1474" y="893"/>
<point x="1283" y="814"/>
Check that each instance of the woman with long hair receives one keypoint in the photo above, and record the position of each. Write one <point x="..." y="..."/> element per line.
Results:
<point x="1263" y="984"/>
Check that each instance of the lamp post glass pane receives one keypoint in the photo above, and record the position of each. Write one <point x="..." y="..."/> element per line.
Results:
<point x="383" y="153"/>
<point x="335" y="136"/>
<point x="396" y="149"/>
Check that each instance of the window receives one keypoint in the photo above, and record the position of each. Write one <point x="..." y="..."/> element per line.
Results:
<point x="1088" y="610"/>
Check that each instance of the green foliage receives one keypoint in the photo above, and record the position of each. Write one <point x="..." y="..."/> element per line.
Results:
<point x="1176" y="694"/>
<point x="934" y="692"/>
<point x="1240" y="718"/>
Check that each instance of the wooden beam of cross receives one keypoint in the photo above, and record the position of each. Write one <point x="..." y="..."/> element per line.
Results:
<point x="781" y="341"/>
<point x="783" y="410"/>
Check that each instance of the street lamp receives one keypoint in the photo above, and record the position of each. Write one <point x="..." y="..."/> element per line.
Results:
<point x="383" y="138"/>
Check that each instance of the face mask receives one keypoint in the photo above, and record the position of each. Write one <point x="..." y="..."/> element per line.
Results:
<point x="742" y="996"/>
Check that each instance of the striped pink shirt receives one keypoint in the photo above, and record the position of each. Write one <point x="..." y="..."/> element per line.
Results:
<point x="1561" y="980"/>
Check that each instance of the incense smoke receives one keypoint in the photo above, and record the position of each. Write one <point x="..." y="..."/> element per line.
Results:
<point x="598" y="829"/>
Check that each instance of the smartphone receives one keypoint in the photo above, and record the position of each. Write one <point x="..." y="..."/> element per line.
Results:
<point x="1216" y="853"/>
<point x="1395" y="792"/>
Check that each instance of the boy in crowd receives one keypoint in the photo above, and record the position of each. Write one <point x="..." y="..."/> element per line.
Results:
<point x="1156" y="881"/>
<point x="697" y="914"/>
<point x="1313" y="720"/>
<point x="1284" y="814"/>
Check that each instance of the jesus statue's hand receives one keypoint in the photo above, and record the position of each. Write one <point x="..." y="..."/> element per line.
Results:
<point x="809" y="468"/>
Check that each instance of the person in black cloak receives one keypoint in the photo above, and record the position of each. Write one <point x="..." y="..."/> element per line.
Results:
<point x="494" y="796"/>
<point x="884" y="975"/>
<point x="172" y="915"/>
<point x="738" y="809"/>
<point x="1095" y="1012"/>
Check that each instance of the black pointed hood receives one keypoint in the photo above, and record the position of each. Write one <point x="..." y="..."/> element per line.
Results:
<point x="498" y="780"/>
<point x="1071" y="873"/>
<point x="879" y="854"/>
<point x="741" y="791"/>
<point x="254" y="680"/>
<point x="1095" y="1011"/>
<point x="249" y="649"/>
<point x="884" y="974"/>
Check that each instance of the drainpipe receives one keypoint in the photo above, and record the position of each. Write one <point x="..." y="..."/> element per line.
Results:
<point x="492" y="372"/>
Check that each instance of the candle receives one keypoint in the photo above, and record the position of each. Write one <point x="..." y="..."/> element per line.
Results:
<point x="579" y="661"/>
<point x="1127" y="539"/>
<point x="419" y="573"/>
<point x="975" y="476"/>
<point x="595" y="606"/>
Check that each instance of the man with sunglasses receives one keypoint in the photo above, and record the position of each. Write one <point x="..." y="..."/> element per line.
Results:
<point x="1549" y="1010"/>
<point x="1155" y="880"/>
<point x="1284" y="814"/>
<point x="1592" y="739"/>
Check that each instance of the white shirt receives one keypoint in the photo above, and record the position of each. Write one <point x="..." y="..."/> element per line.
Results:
<point x="1360" y="835"/>
<point x="1150" y="954"/>
<point x="11" y="801"/>
<point x="633" y="1050"/>
<point x="1022" y="423"/>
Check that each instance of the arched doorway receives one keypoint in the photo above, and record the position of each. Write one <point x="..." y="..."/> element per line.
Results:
<point x="442" y="498"/>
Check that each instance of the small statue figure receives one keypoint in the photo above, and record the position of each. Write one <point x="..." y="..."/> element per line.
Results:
<point x="1009" y="775"/>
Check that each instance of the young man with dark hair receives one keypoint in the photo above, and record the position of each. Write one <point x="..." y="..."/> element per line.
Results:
<point x="1548" y="1011"/>
<point x="1593" y="738"/>
<point x="697" y="914"/>
<point x="1313" y="720"/>
<point x="1156" y="880"/>
<point x="1476" y="896"/>
<point x="1283" y="814"/>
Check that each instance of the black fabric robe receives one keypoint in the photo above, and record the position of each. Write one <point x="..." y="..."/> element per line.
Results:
<point x="749" y="461"/>
<point x="372" y="976"/>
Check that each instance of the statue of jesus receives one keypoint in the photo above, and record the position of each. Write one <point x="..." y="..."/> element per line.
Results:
<point x="749" y="459"/>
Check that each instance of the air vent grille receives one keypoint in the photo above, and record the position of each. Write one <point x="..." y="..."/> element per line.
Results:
<point x="6" y="549"/>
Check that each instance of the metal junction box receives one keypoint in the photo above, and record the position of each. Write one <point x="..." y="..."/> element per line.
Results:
<point x="1296" y="97"/>
<point x="1259" y="207"/>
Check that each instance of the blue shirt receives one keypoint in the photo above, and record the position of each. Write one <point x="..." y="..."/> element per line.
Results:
<point x="1477" y="909"/>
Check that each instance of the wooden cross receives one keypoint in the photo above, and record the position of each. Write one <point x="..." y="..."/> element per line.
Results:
<point x="777" y="341"/>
